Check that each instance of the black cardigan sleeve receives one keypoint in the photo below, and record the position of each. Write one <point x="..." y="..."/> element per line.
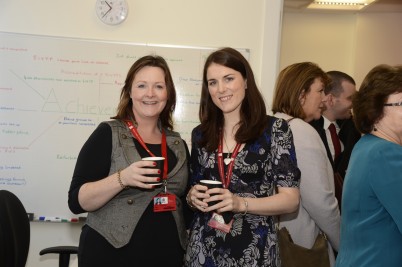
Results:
<point x="93" y="163"/>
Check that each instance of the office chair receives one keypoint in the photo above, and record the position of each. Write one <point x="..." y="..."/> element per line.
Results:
<point x="15" y="234"/>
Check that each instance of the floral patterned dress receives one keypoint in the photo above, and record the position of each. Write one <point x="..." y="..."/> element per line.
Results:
<point x="261" y="165"/>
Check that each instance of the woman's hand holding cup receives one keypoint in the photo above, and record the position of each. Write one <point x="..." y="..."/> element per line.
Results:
<point x="195" y="197"/>
<point x="213" y="190"/>
<point x="218" y="198"/>
<point x="156" y="174"/>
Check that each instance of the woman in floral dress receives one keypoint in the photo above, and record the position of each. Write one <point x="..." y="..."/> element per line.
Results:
<point x="253" y="155"/>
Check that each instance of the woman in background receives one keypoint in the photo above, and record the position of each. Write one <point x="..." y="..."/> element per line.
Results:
<point x="371" y="229"/>
<point x="124" y="227"/>
<point x="298" y="98"/>
<point x="251" y="153"/>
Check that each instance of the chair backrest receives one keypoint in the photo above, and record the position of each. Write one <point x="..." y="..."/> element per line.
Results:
<point x="14" y="231"/>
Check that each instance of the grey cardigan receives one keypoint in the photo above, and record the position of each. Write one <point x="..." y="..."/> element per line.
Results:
<point x="117" y="219"/>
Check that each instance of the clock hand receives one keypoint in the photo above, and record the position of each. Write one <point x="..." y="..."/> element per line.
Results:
<point x="110" y="8"/>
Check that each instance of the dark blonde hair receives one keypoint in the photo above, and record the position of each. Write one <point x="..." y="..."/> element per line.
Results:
<point x="125" y="107"/>
<point x="252" y="111"/>
<point x="368" y="103"/>
<point x="291" y="83"/>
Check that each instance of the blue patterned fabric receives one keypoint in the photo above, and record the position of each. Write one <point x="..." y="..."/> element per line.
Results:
<point x="259" y="167"/>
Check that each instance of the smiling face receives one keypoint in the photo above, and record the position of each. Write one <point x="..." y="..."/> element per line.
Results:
<point x="227" y="88"/>
<point x="148" y="93"/>
<point x="312" y="101"/>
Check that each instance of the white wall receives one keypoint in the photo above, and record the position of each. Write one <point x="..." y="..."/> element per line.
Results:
<point x="353" y="43"/>
<point x="237" y="23"/>
<point x="378" y="41"/>
<point x="326" y="39"/>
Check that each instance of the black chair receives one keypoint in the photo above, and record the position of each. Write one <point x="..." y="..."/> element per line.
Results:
<point x="63" y="251"/>
<point x="15" y="234"/>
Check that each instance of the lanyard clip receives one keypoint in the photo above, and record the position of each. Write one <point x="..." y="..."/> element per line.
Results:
<point x="165" y="185"/>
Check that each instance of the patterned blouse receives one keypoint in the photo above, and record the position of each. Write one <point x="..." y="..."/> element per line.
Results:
<point x="261" y="165"/>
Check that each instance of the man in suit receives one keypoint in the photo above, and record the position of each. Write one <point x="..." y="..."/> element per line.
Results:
<point x="339" y="144"/>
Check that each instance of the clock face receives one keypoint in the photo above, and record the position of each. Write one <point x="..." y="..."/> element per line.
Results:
<point x="111" y="12"/>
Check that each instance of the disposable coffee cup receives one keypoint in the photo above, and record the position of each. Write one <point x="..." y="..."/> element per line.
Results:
<point x="212" y="184"/>
<point x="159" y="165"/>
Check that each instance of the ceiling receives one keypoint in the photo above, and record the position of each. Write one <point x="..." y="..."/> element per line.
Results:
<point x="379" y="6"/>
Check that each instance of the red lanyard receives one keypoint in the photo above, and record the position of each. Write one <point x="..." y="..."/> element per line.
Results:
<point x="163" y="145"/>
<point x="226" y="179"/>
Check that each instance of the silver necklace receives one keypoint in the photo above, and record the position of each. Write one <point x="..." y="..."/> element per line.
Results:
<point x="228" y="158"/>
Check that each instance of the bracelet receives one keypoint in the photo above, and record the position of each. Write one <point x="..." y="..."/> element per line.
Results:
<point x="246" y="205"/>
<point x="119" y="180"/>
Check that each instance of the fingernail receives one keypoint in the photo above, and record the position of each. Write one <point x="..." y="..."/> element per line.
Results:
<point x="159" y="171"/>
<point x="158" y="179"/>
<point x="154" y="163"/>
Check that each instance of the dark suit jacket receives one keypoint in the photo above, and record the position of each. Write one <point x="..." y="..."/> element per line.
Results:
<point x="349" y="136"/>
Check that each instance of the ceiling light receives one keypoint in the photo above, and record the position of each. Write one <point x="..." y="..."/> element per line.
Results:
<point x="340" y="4"/>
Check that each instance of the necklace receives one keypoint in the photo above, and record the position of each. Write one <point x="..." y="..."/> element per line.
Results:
<point x="384" y="135"/>
<point x="225" y="178"/>
<point x="228" y="159"/>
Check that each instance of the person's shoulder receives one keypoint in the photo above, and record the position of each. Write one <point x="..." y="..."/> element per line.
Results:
<point x="102" y="133"/>
<point x="104" y="126"/>
<point x="271" y="119"/>
<point x="346" y="123"/>
<point x="196" y="134"/>
<point x="342" y="122"/>
<point x="273" y="122"/>
<point x="296" y="124"/>
<point x="317" y="124"/>
<point x="380" y="145"/>
<point x="113" y="123"/>
<point x="196" y="130"/>
<point x="172" y="133"/>
<point x="302" y="126"/>
<point x="303" y="130"/>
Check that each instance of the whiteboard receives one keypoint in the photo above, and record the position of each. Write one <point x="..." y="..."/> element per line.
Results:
<point x="54" y="91"/>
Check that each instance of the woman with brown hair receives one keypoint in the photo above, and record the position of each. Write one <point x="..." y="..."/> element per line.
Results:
<point x="127" y="225"/>
<point x="298" y="98"/>
<point x="371" y="229"/>
<point x="250" y="153"/>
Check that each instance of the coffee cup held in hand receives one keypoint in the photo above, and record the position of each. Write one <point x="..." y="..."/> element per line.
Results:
<point x="212" y="184"/>
<point x="159" y="165"/>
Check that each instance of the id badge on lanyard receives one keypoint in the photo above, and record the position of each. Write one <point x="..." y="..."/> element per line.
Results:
<point x="164" y="202"/>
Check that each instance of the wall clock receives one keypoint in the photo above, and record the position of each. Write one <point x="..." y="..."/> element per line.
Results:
<point x="111" y="12"/>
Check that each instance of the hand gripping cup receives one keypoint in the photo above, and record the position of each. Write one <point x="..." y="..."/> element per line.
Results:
<point x="212" y="184"/>
<point x="159" y="165"/>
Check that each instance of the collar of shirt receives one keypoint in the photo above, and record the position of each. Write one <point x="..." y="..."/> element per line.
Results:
<point x="328" y="122"/>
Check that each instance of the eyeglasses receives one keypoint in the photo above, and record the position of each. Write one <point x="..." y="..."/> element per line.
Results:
<point x="393" y="104"/>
